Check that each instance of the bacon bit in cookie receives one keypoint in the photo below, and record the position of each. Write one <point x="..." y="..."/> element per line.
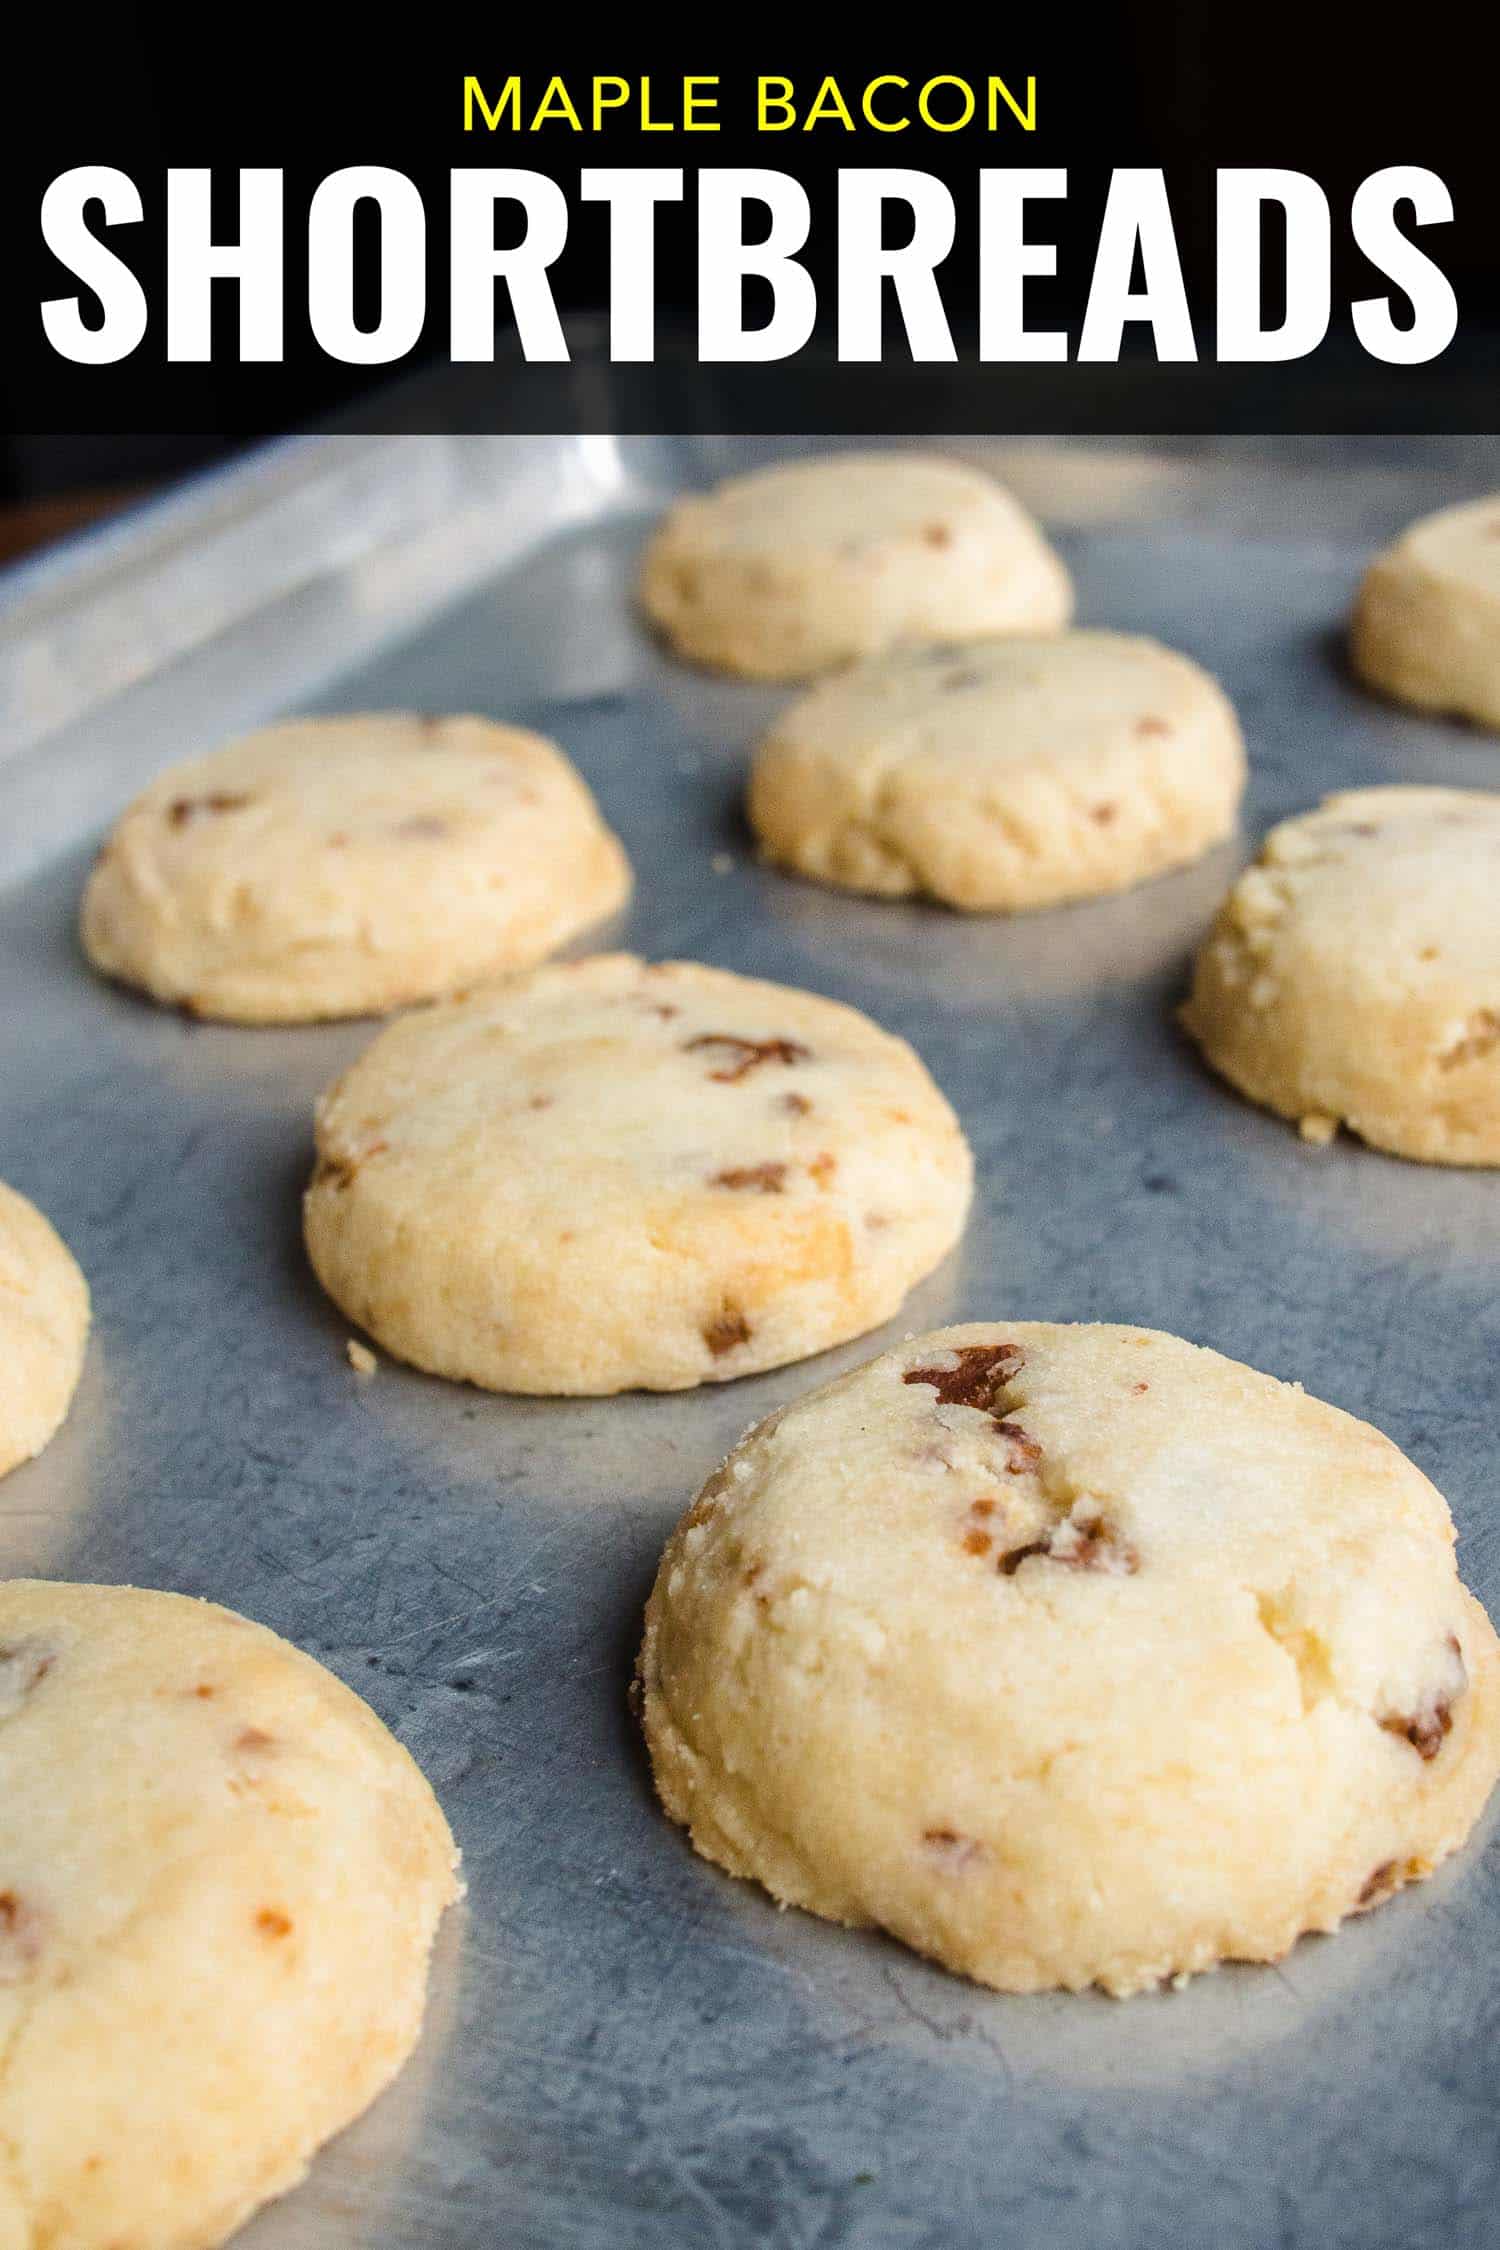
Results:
<point x="1481" y="1036"/>
<point x="977" y="1542"/>
<point x="725" y="1334"/>
<point x="184" y="809"/>
<point x="953" y="1850"/>
<point x="1078" y="1543"/>
<point x="1152" y="725"/>
<point x="744" y="1055"/>
<point x="794" y="1105"/>
<point x="272" y="1923"/>
<point x="1139" y="1389"/>
<point x="937" y="535"/>
<point x="1104" y="814"/>
<point x="1025" y="1453"/>
<point x="23" y="1666"/>
<point x="761" y="1179"/>
<point x="20" y="1936"/>
<point x="982" y="1372"/>
<point x="822" y="1169"/>
<point x="1428" y="1729"/>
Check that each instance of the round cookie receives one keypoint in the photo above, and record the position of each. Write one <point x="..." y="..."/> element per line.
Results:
<point x="1426" y="625"/>
<point x="1070" y="1655"/>
<point x="607" y="1176"/>
<point x="220" y="1878"/>
<point x="795" y="569"/>
<point x="343" y="867"/>
<point x="1353" y="974"/>
<point x="1014" y="773"/>
<point x="44" y="1326"/>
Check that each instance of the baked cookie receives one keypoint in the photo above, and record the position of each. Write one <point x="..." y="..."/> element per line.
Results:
<point x="1012" y="773"/>
<point x="1070" y="1655"/>
<point x="342" y="867"/>
<point x="607" y="1176"/>
<point x="219" y="1882"/>
<point x="1426" y="626"/>
<point x="44" y="1326"/>
<point x="798" y="568"/>
<point x="1353" y="974"/>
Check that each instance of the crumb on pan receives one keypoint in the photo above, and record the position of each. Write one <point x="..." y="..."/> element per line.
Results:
<point x="361" y="1358"/>
<point x="1317" y="1128"/>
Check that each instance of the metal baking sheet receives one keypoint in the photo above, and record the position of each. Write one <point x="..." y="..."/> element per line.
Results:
<point x="625" y="2047"/>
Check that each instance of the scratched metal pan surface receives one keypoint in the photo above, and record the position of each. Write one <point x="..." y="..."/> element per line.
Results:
<point x="625" y="2047"/>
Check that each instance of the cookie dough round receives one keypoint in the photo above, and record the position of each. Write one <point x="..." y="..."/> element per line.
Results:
<point x="610" y="1176"/>
<point x="343" y="867"/>
<point x="1070" y="1655"/>
<point x="795" y="569"/>
<point x="44" y="1326"/>
<point x="1015" y="773"/>
<point x="1426" y="627"/>
<point x="1353" y="974"/>
<point x="208" y="1845"/>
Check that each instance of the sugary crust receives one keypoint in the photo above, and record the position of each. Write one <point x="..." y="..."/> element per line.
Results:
<point x="1353" y="974"/>
<point x="44" y="1325"/>
<point x="340" y="867"/>
<point x="796" y="569"/>
<point x="1426" y="624"/>
<point x="220" y="1878"/>
<point x="608" y="1176"/>
<point x="1009" y="774"/>
<point x="1070" y="1656"/>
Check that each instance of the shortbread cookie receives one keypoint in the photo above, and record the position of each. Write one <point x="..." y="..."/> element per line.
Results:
<point x="1426" y="626"/>
<point x="342" y="867"/>
<point x="44" y="1325"/>
<point x="609" y="1176"/>
<point x="1353" y="974"/>
<point x="794" y="569"/>
<point x="219" y="1882"/>
<point x="1070" y="1656"/>
<point x="1013" y="773"/>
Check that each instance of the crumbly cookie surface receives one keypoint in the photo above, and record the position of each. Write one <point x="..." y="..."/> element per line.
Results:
<point x="347" y="866"/>
<point x="1070" y="1655"/>
<point x="1013" y="773"/>
<point x="609" y="1175"/>
<point x="220" y="1877"/>
<point x="44" y="1325"/>
<point x="1352" y="976"/>
<point x="795" y="569"/>
<point x="1426" y="625"/>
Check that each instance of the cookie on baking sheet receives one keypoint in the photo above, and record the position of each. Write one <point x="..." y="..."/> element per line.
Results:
<point x="794" y="569"/>
<point x="343" y="867"/>
<point x="607" y="1176"/>
<point x="1353" y="974"/>
<point x="220" y="1878"/>
<point x="1426" y="626"/>
<point x="1011" y="773"/>
<point x="44" y="1326"/>
<point x="1070" y="1655"/>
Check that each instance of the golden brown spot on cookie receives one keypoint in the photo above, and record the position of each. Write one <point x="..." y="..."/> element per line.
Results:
<point x="21" y="1935"/>
<point x="185" y="809"/>
<point x="338" y="1172"/>
<point x="253" y="1742"/>
<point x="1078" y="1543"/>
<point x="338" y="840"/>
<point x="666" y="1009"/>
<point x="981" y="1373"/>
<point x="272" y="1923"/>
<point x="759" y="1179"/>
<point x="795" y="1105"/>
<point x="744" y="1055"/>
<point x="982" y="1507"/>
<point x="1385" y="1879"/>
<point x="23" y="1666"/>
<point x="937" y="535"/>
<point x="1137" y="1389"/>
<point x="728" y="1331"/>
<point x="822" y="1169"/>
<point x="541" y="1101"/>
<point x="1480" y="1037"/>
<point x="1430" y="953"/>
<point x="977" y="1542"/>
<point x="1152" y="725"/>
<point x="1104" y="814"/>
<point x="205" y="1691"/>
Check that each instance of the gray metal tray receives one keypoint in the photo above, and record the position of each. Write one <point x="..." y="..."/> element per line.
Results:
<point x="624" y="2047"/>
